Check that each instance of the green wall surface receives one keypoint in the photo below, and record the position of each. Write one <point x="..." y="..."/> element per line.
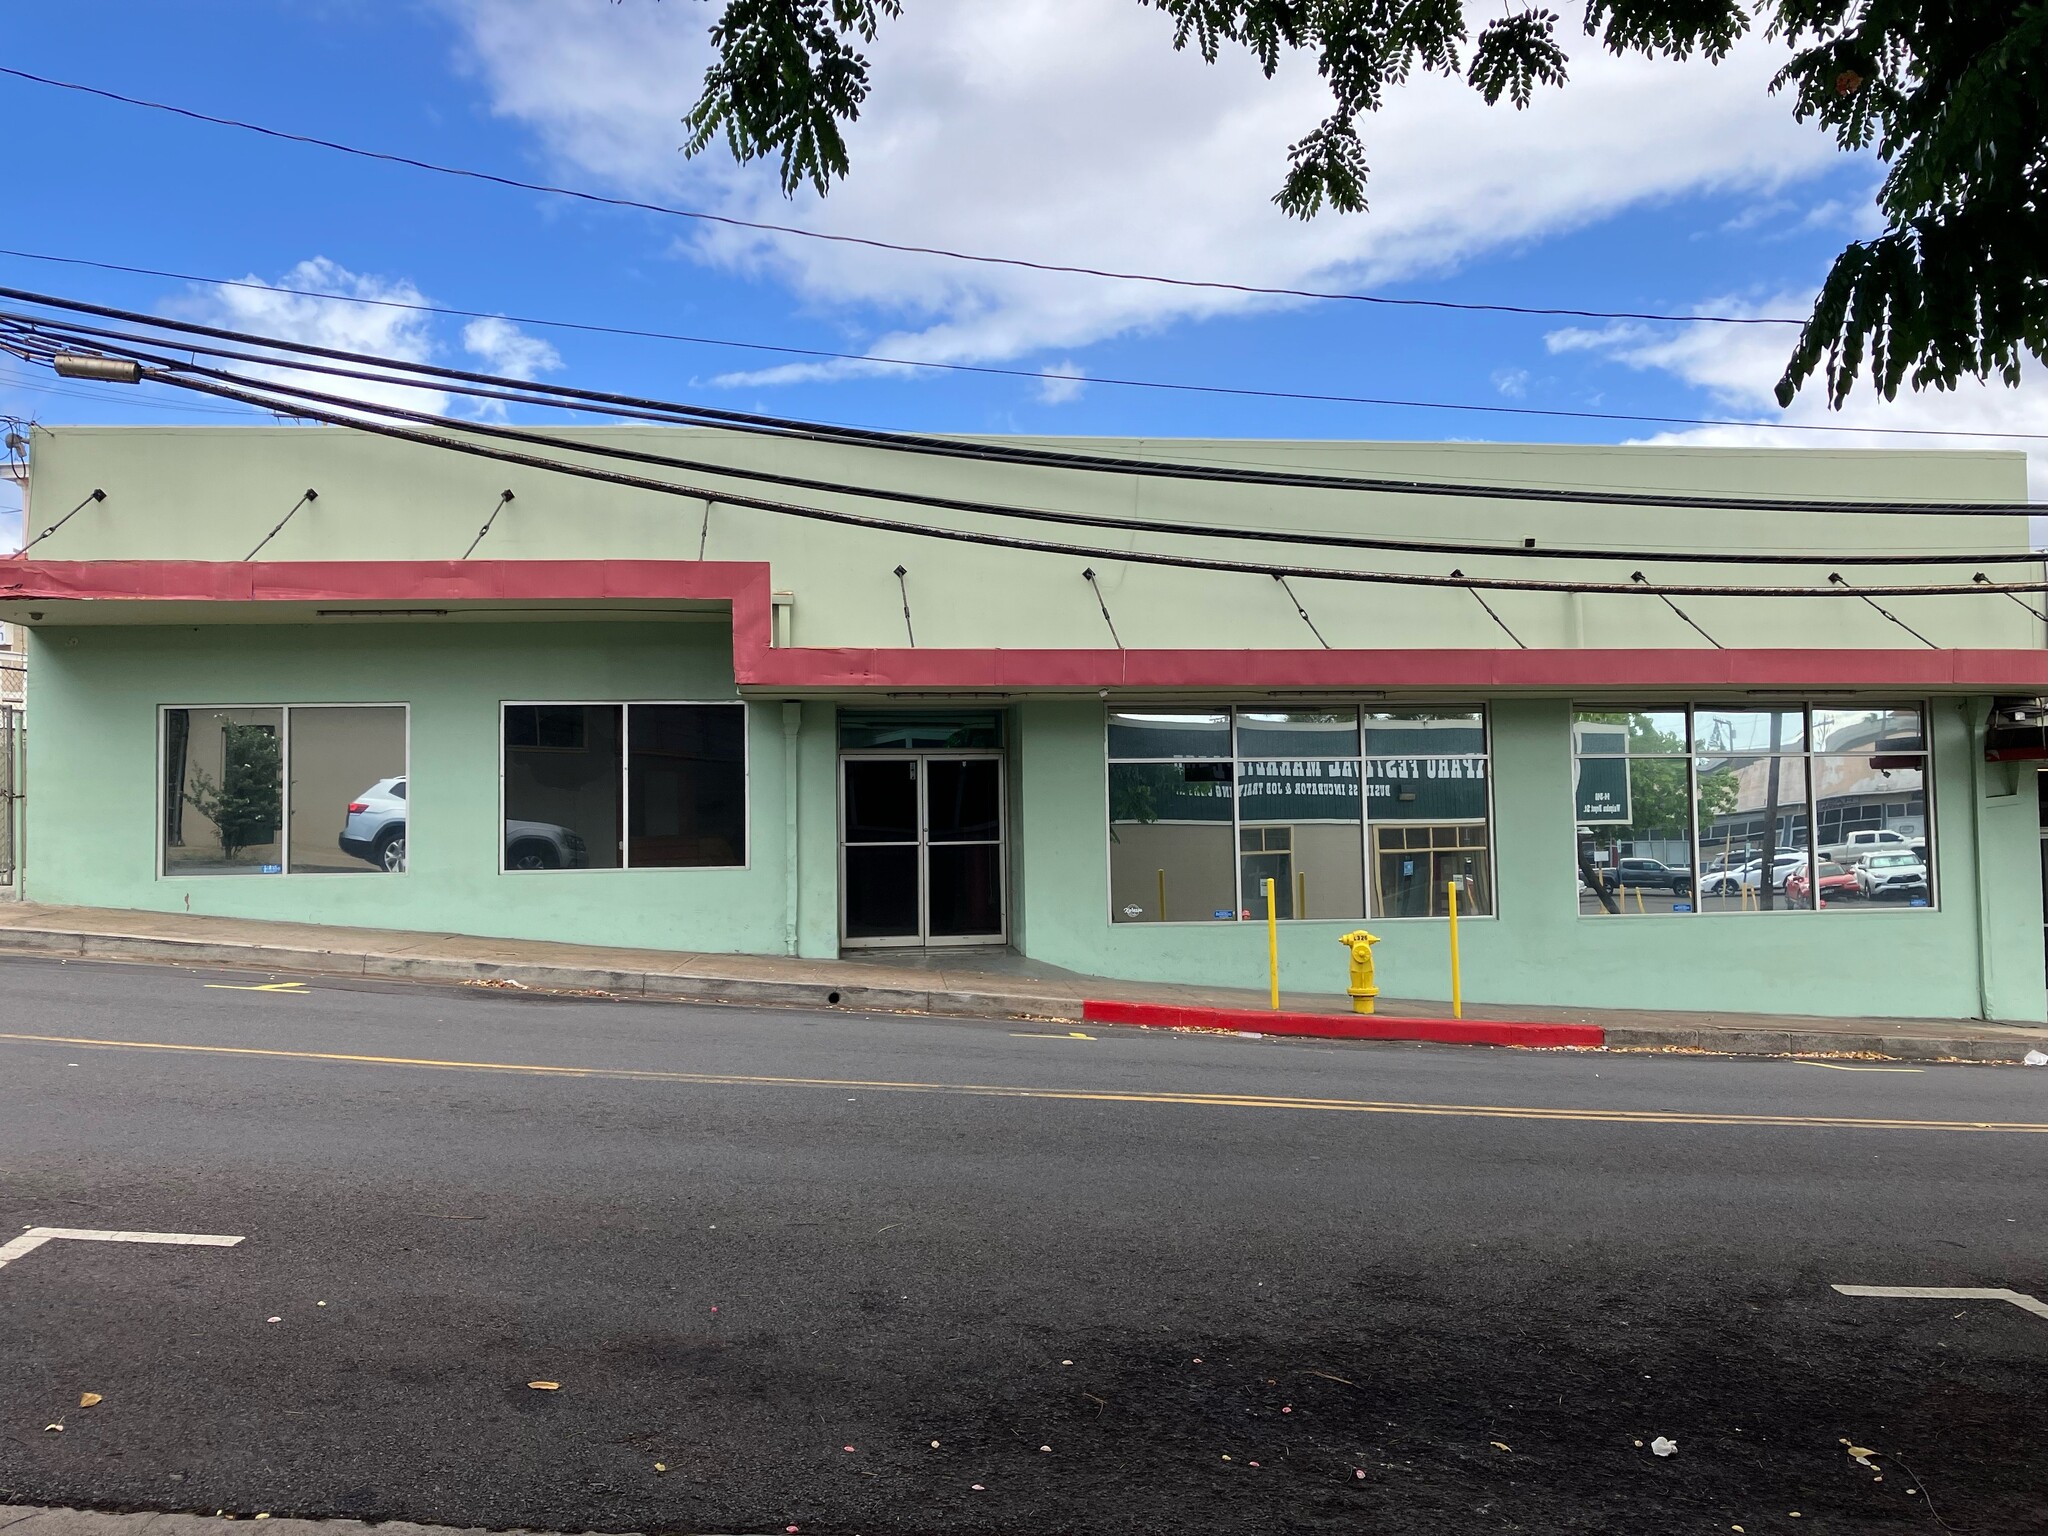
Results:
<point x="211" y="493"/>
<point x="93" y="828"/>
<point x="1540" y="950"/>
<point x="92" y="817"/>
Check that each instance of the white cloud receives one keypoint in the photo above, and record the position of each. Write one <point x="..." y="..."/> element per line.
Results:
<point x="1512" y="382"/>
<point x="1737" y="367"/>
<point x="1060" y="383"/>
<point x="404" y="334"/>
<point x="1069" y="131"/>
<point x="503" y="348"/>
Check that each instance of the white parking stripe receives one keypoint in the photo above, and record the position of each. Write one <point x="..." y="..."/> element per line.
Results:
<point x="35" y="1237"/>
<point x="2019" y="1299"/>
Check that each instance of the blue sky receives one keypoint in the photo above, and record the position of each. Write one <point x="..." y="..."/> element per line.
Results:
<point x="1073" y="135"/>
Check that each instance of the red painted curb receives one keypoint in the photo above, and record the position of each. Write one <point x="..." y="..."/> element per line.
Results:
<point x="1344" y="1026"/>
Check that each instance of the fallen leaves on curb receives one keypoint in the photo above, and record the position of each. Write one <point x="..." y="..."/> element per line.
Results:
<point x="87" y="1399"/>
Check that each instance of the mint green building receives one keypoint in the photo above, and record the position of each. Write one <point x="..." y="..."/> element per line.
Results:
<point x="308" y="674"/>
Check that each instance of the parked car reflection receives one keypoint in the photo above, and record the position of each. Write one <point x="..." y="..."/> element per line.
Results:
<point x="375" y="833"/>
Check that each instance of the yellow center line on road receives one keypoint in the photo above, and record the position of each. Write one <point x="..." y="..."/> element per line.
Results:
<point x="1069" y="1095"/>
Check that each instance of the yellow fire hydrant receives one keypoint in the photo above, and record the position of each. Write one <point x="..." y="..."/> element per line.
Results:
<point x="1364" y="987"/>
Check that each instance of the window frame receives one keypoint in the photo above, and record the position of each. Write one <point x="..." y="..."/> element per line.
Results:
<point x="625" y="708"/>
<point x="1807" y="756"/>
<point x="285" y="872"/>
<point x="1361" y="707"/>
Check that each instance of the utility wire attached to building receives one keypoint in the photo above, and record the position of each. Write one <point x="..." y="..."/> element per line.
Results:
<point x="1311" y="623"/>
<point x="97" y="495"/>
<point x="309" y="495"/>
<point x="1837" y="578"/>
<point x="1095" y="586"/>
<point x="1638" y="576"/>
<point x="903" y="586"/>
<point x="504" y="499"/>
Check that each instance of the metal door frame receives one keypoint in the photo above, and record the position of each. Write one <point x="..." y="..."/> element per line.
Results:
<point x="921" y="757"/>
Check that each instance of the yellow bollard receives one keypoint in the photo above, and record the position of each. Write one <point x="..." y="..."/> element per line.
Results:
<point x="1162" y="895"/>
<point x="1272" y="947"/>
<point x="1457" y="991"/>
<point x="1364" y="984"/>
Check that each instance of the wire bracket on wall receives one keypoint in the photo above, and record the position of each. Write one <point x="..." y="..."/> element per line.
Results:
<point x="1641" y="579"/>
<point x="1984" y="580"/>
<point x="505" y="498"/>
<point x="1088" y="575"/>
<point x="704" y="529"/>
<point x="1311" y="623"/>
<point x="903" y="586"/>
<point x="97" y="495"/>
<point x="1839" y="580"/>
<point x="1482" y="602"/>
<point x="309" y="495"/>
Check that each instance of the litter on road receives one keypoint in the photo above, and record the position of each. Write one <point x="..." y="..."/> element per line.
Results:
<point x="87" y="1399"/>
<point x="1663" y="1446"/>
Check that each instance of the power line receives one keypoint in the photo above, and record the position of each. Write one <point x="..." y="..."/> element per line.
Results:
<point x="45" y="343"/>
<point x="1036" y="375"/>
<point x="364" y="421"/>
<point x="1017" y="262"/>
<point x="996" y="452"/>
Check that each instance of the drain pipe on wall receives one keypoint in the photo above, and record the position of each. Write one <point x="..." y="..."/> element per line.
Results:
<point x="792" y="719"/>
<point x="1968" y="709"/>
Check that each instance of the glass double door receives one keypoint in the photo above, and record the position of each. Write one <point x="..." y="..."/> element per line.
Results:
<point x="921" y="850"/>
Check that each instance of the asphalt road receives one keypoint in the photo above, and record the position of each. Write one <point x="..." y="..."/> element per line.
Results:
<point x="886" y="1275"/>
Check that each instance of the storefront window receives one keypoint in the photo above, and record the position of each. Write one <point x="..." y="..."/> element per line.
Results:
<point x="686" y="786"/>
<point x="277" y="789"/>
<point x="223" y="791"/>
<point x="612" y="786"/>
<point x="1751" y="808"/>
<point x="1346" y="816"/>
<point x="348" y="789"/>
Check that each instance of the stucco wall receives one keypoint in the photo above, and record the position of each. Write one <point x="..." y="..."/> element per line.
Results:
<point x="93" y="825"/>
<point x="93" y="835"/>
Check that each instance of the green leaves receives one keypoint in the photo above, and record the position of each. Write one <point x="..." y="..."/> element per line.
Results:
<point x="1955" y="99"/>
<point x="1515" y="53"/>
<point x="785" y="78"/>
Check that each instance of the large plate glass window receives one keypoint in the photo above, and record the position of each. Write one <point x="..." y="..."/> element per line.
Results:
<point x="1871" y="811"/>
<point x="348" y="789"/>
<point x="1172" y="834"/>
<point x="1425" y="774"/>
<point x="1753" y="807"/>
<point x="1347" y="814"/>
<point x="303" y="789"/>
<point x="223" y="791"/>
<point x="1632" y="798"/>
<point x="1300" y="820"/>
<point x="624" y="786"/>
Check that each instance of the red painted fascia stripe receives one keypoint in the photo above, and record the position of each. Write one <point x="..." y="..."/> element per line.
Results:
<point x="757" y="663"/>
<point x="1343" y="1026"/>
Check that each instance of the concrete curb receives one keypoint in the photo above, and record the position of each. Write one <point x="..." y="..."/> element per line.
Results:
<point x="1346" y="1026"/>
<point x="664" y="986"/>
<point x="1964" y="1043"/>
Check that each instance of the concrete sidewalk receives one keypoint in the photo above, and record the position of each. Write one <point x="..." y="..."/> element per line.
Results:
<point x="959" y="983"/>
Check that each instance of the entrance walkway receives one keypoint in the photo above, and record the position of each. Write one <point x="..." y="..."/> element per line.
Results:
<point x="961" y="983"/>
